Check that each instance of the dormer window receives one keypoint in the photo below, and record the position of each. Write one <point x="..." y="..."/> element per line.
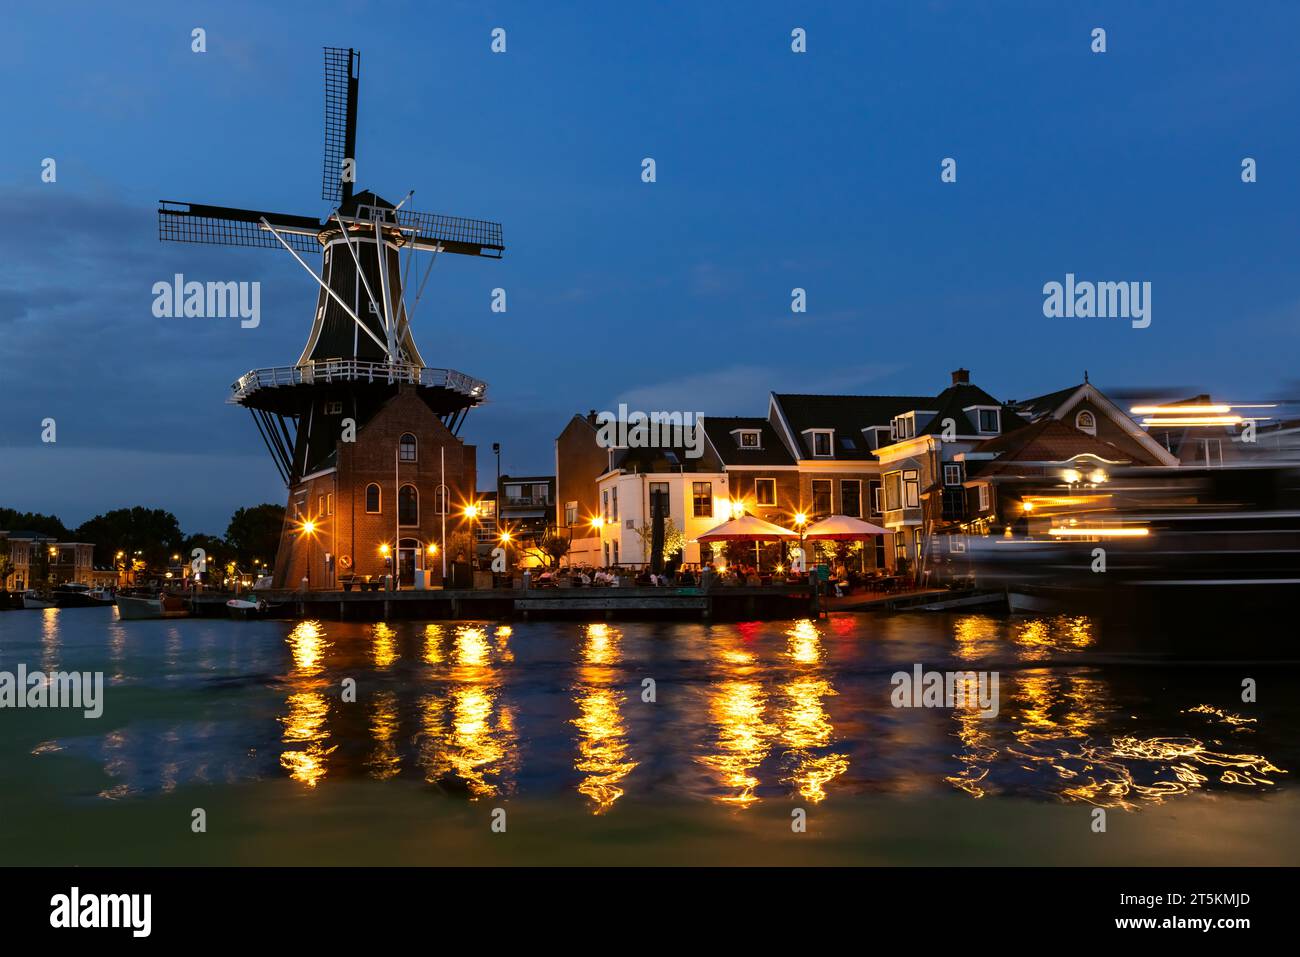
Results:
<point x="1085" y="421"/>
<point x="821" y="442"/>
<point x="904" y="427"/>
<point x="990" y="421"/>
<point x="748" y="439"/>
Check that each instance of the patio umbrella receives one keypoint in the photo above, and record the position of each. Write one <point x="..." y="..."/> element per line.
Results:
<point x="843" y="528"/>
<point x="750" y="528"/>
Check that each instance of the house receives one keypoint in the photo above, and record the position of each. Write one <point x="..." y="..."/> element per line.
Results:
<point x="526" y="510"/>
<point x="1057" y="459"/>
<point x="697" y="494"/>
<point x="763" y="475"/>
<point x="922" y="472"/>
<point x="579" y="461"/>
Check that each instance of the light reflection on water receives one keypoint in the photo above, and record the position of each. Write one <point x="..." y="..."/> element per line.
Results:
<point x="741" y="713"/>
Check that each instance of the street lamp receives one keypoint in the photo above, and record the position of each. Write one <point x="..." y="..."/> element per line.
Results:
<point x="471" y="513"/>
<point x="801" y="522"/>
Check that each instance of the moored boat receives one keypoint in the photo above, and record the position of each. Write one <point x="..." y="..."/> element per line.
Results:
<point x="74" y="595"/>
<point x="32" y="599"/>
<point x="135" y="607"/>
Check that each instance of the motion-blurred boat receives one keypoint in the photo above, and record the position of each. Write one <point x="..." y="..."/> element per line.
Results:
<point x="135" y="607"/>
<point x="74" y="595"/>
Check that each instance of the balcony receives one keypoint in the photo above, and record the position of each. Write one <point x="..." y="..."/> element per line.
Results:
<point x="527" y="501"/>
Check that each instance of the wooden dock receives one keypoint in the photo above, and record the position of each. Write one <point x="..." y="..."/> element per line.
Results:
<point x="728" y="603"/>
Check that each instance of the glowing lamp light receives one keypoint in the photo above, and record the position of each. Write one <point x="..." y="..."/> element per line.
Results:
<point x="1084" y="531"/>
<point x="383" y="549"/>
<point x="505" y="537"/>
<point x="1071" y="476"/>
<point x="1097" y="476"/>
<point x="598" y="523"/>
<point x="471" y="511"/>
<point x="800" y="518"/>
<point x="1195" y="420"/>
<point x="737" y="509"/>
<point x="1027" y="506"/>
<point x="433" y="549"/>
<point x="309" y="527"/>
<point x="1181" y="409"/>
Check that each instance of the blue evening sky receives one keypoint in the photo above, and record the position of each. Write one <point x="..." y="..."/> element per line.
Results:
<point x="775" y="170"/>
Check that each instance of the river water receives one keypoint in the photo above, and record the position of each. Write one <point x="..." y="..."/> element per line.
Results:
<point x="756" y="742"/>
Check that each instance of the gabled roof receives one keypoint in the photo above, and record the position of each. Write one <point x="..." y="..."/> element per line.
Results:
<point x="953" y="402"/>
<point x="1039" y="406"/>
<point x="848" y="415"/>
<point x="1034" y="449"/>
<point x="660" y="459"/>
<point x="719" y="430"/>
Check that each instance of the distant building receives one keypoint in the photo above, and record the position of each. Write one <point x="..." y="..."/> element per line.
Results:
<point x="526" y="504"/>
<point x="579" y="462"/>
<point x="38" y="558"/>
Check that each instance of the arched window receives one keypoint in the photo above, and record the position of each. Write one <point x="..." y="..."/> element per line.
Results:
<point x="1085" y="421"/>
<point x="408" y="506"/>
<point x="440" y="500"/>
<point x="406" y="447"/>
<point x="372" y="498"/>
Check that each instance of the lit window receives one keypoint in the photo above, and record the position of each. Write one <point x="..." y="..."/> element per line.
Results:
<point x="702" y="499"/>
<point x="749" y="440"/>
<point x="984" y="497"/>
<point x="911" y="488"/>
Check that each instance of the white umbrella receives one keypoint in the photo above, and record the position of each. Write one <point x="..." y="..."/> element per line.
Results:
<point x="749" y="528"/>
<point x="843" y="528"/>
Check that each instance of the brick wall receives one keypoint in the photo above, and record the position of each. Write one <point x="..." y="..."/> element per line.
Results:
<point x="348" y="531"/>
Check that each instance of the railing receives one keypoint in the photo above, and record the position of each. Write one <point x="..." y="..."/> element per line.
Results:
<point x="356" y="370"/>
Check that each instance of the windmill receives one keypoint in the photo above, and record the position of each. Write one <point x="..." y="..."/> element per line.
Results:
<point x="360" y="349"/>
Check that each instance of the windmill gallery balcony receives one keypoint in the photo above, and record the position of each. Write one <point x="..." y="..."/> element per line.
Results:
<point x="355" y="370"/>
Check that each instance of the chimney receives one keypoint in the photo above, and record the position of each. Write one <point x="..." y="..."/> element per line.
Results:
<point x="591" y="416"/>
<point x="961" y="377"/>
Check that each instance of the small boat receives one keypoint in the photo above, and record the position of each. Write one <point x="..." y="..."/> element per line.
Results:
<point x="135" y="607"/>
<point x="73" y="595"/>
<point x="1021" y="602"/>
<point x="32" y="599"/>
<point x="249" y="607"/>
